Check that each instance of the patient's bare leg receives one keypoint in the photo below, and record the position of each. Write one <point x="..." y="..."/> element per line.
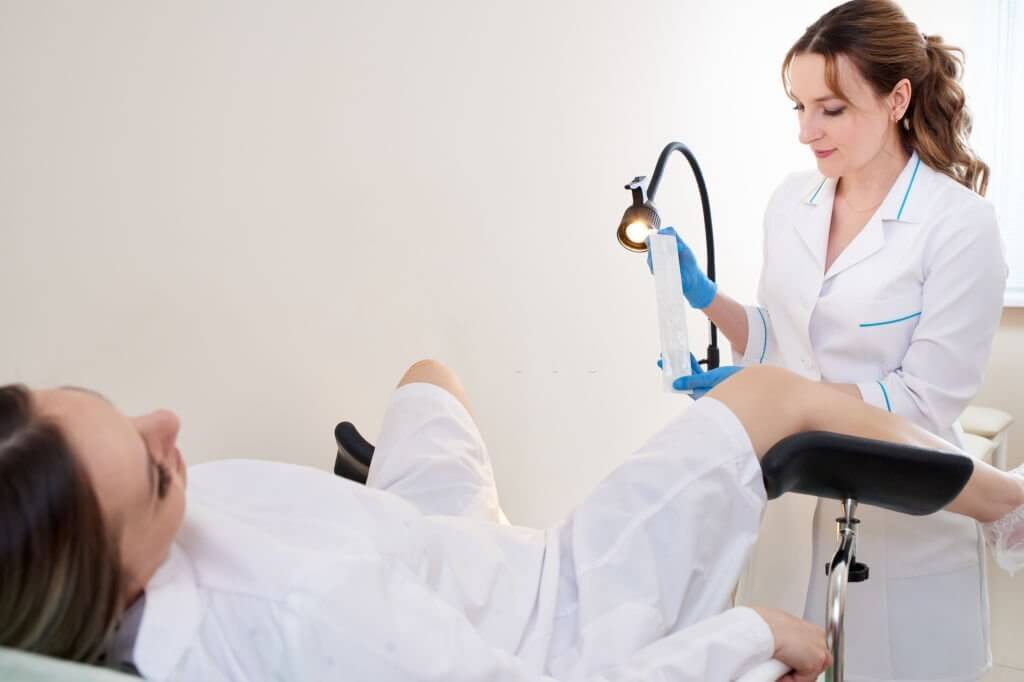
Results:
<point x="773" y="403"/>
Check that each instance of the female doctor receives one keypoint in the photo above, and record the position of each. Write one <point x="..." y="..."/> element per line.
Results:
<point x="883" y="276"/>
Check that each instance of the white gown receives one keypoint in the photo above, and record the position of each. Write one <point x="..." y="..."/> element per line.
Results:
<point x="283" y="572"/>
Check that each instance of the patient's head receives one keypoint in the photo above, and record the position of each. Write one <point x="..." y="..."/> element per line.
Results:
<point x="90" y="501"/>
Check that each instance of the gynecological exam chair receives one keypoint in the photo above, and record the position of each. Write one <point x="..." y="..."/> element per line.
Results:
<point x="853" y="470"/>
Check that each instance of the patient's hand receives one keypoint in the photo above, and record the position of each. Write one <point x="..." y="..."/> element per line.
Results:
<point x="798" y="644"/>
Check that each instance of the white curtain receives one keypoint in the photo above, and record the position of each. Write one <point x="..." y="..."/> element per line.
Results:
<point x="995" y="84"/>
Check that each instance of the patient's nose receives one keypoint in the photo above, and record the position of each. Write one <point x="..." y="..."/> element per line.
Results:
<point x="160" y="426"/>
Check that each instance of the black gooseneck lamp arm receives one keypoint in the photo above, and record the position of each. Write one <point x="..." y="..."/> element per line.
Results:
<point x="644" y="211"/>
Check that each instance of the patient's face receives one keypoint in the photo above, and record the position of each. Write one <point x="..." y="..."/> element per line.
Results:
<point x="855" y="129"/>
<point x="136" y="470"/>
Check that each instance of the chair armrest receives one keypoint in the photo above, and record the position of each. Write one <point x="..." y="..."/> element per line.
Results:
<point x="766" y="672"/>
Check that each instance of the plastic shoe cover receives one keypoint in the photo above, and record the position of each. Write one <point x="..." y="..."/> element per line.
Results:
<point x="1006" y="536"/>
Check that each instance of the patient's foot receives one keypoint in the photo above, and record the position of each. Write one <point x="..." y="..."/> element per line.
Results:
<point x="1006" y="536"/>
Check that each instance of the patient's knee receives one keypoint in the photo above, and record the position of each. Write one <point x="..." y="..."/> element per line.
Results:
<point x="771" y="380"/>
<point x="768" y="392"/>
<point x="429" y="365"/>
<point x="787" y="391"/>
<point x="430" y="371"/>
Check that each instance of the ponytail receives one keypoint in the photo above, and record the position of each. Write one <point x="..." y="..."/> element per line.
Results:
<point x="938" y="124"/>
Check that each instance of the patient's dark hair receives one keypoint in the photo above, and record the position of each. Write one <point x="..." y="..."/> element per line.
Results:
<point x="60" y="576"/>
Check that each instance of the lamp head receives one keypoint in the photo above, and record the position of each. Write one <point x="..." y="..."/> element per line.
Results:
<point x="639" y="220"/>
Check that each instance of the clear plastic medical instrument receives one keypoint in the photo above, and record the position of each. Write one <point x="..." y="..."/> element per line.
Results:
<point x="668" y="291"/>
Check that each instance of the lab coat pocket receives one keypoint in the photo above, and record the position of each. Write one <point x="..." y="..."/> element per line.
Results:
<point x="938" y="625"/>
<point x="884" y="328"/>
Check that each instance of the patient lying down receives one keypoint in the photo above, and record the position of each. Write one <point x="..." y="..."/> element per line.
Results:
<point x="278" y="572"/>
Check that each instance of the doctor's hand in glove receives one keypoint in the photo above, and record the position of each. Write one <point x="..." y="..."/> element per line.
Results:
<point x="697" y="288"/>
<point x="798" y="644"/>
<point x="701" y="380"/>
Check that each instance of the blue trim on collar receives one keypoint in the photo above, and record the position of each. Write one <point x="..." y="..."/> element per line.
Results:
<point x="815" y="195"/>
<point x="909" y="186"/>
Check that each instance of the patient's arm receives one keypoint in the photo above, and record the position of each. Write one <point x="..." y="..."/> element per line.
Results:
<point x="773" y="403"/>
<point x="394" y="628"/>
<point x="800" y="645"/>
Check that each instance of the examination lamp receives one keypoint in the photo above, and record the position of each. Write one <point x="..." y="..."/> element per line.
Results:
<point x="641" y="219"/>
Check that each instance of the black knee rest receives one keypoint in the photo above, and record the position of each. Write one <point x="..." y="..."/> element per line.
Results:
<point x="902" y="478"/>
<point x="354" y="453"/>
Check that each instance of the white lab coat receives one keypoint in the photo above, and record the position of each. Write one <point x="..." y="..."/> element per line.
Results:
<point x="907" y="313"/>
<point x="288" y="573"/>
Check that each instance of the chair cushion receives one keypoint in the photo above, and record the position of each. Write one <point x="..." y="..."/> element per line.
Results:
<point x="901" y="478"/>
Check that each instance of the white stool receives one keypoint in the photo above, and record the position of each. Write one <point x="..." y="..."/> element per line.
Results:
<point x="989" y="424"/>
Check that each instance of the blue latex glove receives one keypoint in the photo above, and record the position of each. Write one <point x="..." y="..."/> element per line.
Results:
<point x="697" y="288"/>
<point x="701" y="381"/>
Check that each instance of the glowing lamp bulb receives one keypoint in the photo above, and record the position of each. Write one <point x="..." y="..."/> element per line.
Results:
<point x="637" y="232"/>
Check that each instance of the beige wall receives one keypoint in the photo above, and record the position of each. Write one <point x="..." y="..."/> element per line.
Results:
<point x="1004" y="379"/>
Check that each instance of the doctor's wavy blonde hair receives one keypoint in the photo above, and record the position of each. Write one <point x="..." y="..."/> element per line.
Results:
<point x="886" y="47"/>
<point x="60" y="576"/>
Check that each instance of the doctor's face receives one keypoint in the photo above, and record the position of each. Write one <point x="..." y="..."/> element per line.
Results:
<point x="843" y="134"/>
<point x="135" y="469"/>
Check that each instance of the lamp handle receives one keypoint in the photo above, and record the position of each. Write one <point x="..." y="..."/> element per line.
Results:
<point x="712" y="360"/>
